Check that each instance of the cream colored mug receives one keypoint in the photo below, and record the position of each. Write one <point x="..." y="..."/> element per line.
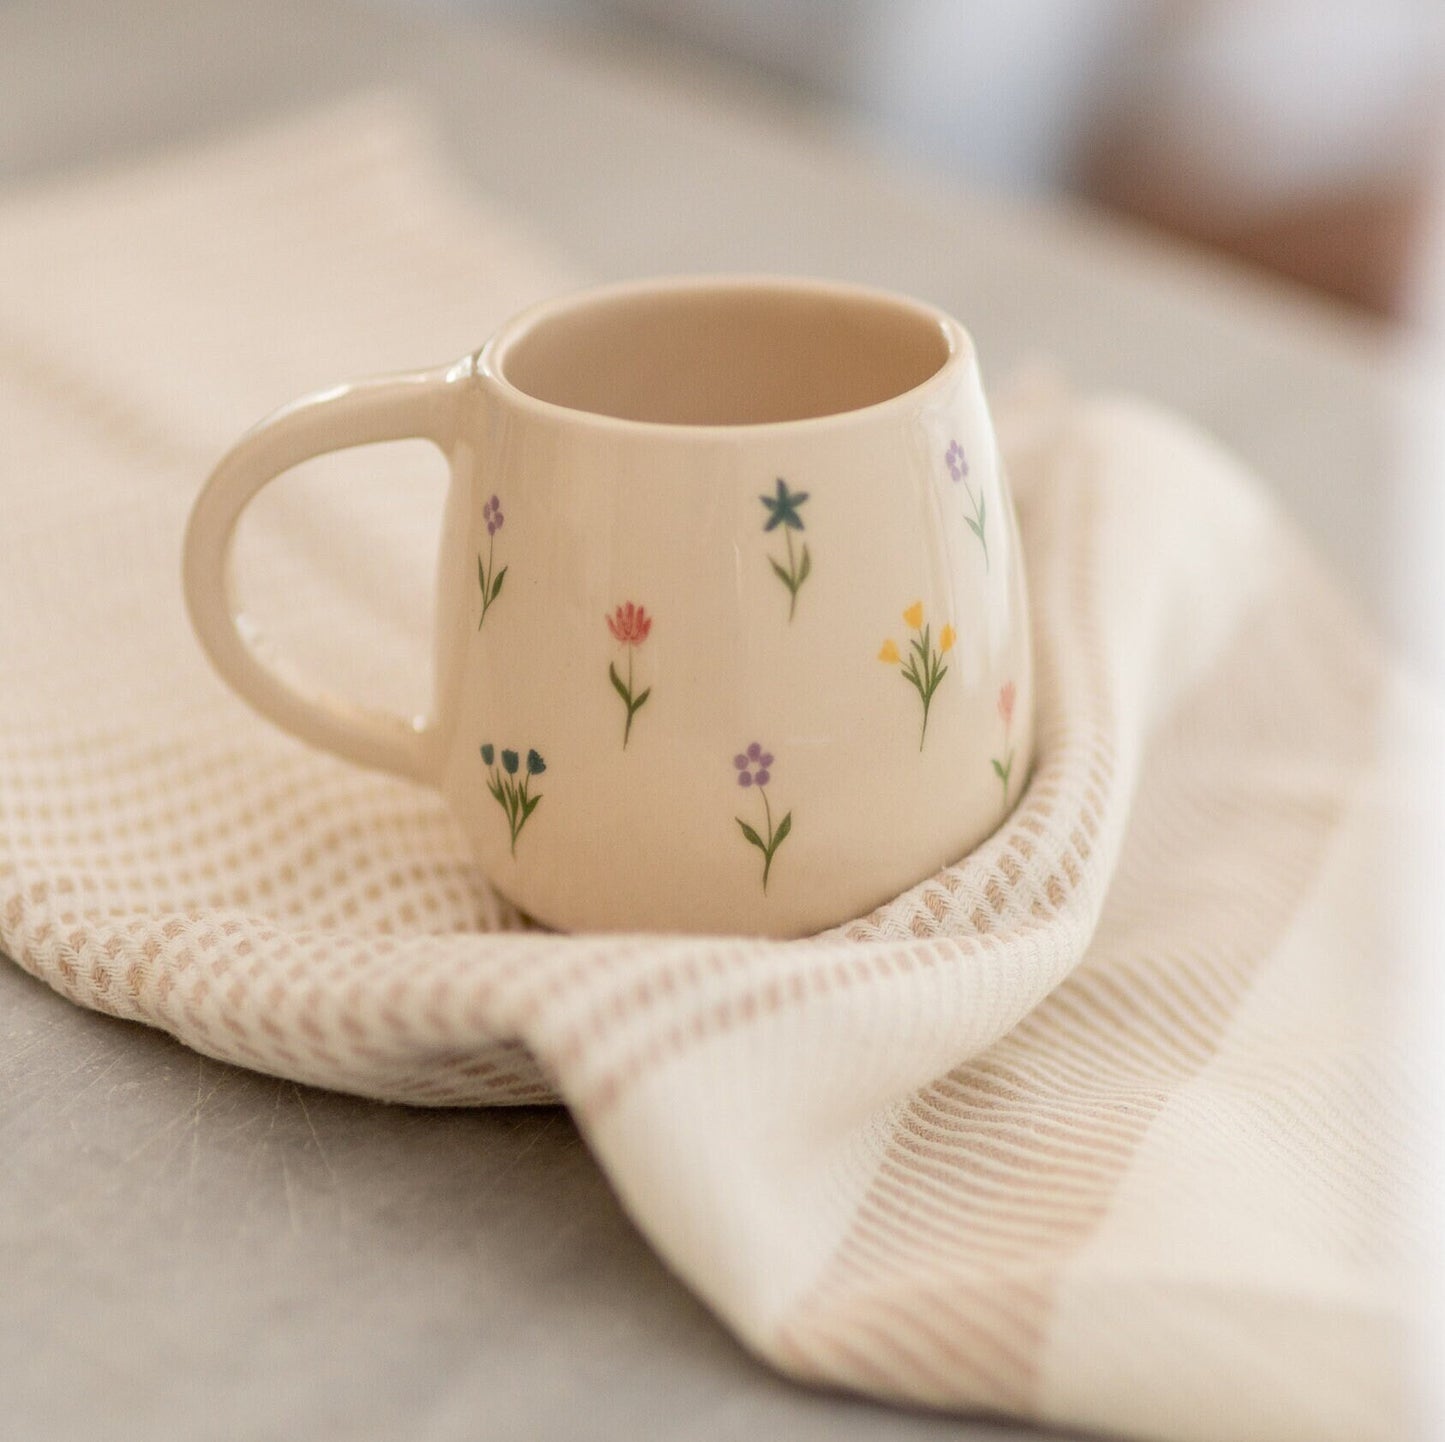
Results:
<point x="731" y="631"/>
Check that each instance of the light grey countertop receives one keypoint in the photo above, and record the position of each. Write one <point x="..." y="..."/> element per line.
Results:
<point x="190" y="1250"/>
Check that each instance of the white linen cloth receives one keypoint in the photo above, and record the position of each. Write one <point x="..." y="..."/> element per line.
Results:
<point x="1102" y="1126"/>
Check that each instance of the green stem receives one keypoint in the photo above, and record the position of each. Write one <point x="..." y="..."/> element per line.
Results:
<point x="487" y="580"/>
<point x="978" y="525"/>
<point x="768" y="854"/>
<point x="631" y="712"/>
<point x="930" y="676"/>
<point x="792" y="589"/>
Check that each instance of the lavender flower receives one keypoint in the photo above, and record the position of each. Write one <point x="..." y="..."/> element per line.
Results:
<point x="753" y="766"/>
<point x="488" y="577"/>
<point x="958" y="469"/>
<point x="957" y="461"/>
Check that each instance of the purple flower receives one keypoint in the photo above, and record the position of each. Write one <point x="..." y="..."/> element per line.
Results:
<point x="492" y="515"/>
<point x="753" y="766"/>
<point x="957" y="461"/>
<point x="764" y="832"/>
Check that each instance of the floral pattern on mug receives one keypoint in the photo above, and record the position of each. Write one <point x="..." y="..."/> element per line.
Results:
<point x="957" y="464"/>
<point x="754" y="768"/>
<point x="491" y="584"/>
<point x="782" y="509"/>
<point x="924" y="668"/>
<point x="510" y="785"/>
<point x="630" y="626"/>
<point x="1003" y="768"/>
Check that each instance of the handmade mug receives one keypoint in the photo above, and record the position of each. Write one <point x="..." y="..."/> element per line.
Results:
<point x="731" y="631"/>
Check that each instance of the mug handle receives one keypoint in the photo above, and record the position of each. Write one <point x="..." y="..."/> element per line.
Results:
<point x="422" y="405"/>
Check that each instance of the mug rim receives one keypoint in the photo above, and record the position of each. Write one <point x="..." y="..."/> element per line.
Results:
<point x="488" y="362"/>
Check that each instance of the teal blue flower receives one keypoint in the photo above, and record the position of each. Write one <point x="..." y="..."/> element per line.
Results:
<point x="783" y="508"/>
<point x="782" y="511"/>
<point x="511" y="793"/>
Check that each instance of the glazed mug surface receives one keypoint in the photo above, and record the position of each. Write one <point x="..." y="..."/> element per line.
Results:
<point x="731" y="624"/>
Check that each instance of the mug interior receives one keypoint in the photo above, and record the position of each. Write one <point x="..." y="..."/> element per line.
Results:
<point x="725" y="355"/>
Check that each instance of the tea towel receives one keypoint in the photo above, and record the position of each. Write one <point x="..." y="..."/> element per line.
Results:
<point x="1100" y="1126"/>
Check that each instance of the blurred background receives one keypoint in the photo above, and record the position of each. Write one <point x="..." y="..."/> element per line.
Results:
<point x="1306" y="137"/>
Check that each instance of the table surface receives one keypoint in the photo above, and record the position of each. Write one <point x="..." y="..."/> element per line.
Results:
<point x="192" y="1250"/>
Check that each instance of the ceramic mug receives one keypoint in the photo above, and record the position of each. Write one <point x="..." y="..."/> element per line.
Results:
<point x="731" y="631"/>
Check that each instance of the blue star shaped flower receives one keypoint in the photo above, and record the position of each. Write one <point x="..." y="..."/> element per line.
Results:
<point x="783" y="507"/>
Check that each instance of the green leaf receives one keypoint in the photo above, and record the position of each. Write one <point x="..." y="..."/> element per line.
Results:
<point x="495" y="787"/>
<point x="782" y="573"/>
<point x="481" y="575"/>
<point x="637" y="704"/>
<point x="529" y="806"/>
<point x="982" y="513"/>
<point x="975" y="527"/>
<point x="619" y="685"/>
<point x="753" y="838"/>
<point x="999" y="771"/>
<point x="497" y="584"/>
<point x="805" y="566"/>
<point x="784" y="826"/>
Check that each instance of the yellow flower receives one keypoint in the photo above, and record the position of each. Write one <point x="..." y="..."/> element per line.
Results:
<point x="889" y="653"/>
<point x="914" y="615"/>
<point x="946" y="638"/>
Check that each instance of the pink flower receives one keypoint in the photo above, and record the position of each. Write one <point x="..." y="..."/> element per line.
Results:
<point x="1006" y="704"/>
<point x="630" y="624"/>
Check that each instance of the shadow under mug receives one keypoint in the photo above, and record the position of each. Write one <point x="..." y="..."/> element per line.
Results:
<point x="731" y="623"/>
